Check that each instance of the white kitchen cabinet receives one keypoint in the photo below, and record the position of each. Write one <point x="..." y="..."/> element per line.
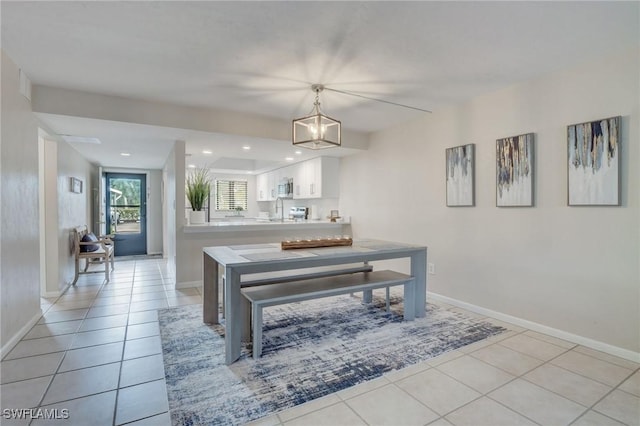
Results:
<point x="317" y="178"/>
<point x="266" y="186"/>
<point x="261" y="187"/>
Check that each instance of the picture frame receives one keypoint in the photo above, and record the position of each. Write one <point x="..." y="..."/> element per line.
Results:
<point x="515" y="171"/>
<point x="593" y="163"/>
<point x="460" y="168"/>
<point x="76" y="185"/>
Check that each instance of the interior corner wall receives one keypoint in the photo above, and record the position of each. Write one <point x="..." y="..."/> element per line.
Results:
<point x="573" y="269"/>
<point x="19" y="198"/>
<point x="179" y="203"/>
<point x="173" y="178"/>
<point x="50" y="232"/>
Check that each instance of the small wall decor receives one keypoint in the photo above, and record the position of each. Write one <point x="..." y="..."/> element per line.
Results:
<point x="460" y="176"/>
<point x="514" y="171"/>
<point x="594" y="163"/>
<point x="76" y="185"/>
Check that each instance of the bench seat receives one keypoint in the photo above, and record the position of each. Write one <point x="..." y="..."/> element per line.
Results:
<point x="324" y="272"/>
<point x="104" y="254"/>
<point x="257" y="298"/>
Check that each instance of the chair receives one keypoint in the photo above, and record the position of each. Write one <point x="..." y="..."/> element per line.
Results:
<point x="94" y="250"/>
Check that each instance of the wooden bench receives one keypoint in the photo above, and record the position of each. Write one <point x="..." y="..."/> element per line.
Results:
<point x="102" y="255"/>
<point x="259" y="297"/>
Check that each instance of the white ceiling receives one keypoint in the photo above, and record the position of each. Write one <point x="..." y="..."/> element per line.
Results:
<point x="262" y="57"/>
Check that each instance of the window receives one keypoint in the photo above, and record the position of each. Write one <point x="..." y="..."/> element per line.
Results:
<point x="231" y="195"/>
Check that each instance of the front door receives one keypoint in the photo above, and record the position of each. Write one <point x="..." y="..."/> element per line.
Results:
<point x="127" y="212"/>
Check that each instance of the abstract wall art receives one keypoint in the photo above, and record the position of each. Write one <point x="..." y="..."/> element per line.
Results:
<point x="514" y="171"/>
<point x="460" y="176"/>
<point x="75" y="185"/>
<point x="594" y="163"/>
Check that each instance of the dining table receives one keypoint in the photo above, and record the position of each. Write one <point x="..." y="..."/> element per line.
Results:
<point x="237" y="263"/>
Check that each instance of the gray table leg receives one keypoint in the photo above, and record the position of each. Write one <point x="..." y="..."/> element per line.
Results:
<point x="233" y="316"/>
<point x="367" y="295"/>
<point x="410" y="300"/>
<point x="246" y="319"/>
<point x="419" y="272"/>
<point x="210" y="290"/>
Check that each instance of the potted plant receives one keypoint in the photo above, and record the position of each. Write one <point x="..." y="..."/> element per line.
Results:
<point x="198" y="187"/>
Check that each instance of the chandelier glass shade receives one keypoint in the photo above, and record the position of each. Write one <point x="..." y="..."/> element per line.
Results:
<point x="317" y="131"/>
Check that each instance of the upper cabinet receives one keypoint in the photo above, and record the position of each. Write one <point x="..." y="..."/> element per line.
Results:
<point x="315" y="178"/>
<point x="266" y="186"/>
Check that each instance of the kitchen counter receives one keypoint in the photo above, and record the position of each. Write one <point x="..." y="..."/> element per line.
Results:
<point x="242" y="231"/>
<point x="250" y="225"/>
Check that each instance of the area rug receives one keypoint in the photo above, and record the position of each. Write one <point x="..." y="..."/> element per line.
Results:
<point x="310" y="349"/>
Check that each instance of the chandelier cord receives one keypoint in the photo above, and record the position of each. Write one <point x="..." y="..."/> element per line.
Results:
<point x="377" y="100"/>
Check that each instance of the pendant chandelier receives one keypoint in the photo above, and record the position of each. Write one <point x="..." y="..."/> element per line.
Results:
<point x="316" y="130"/>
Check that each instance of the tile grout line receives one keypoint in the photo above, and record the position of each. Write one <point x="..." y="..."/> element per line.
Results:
<point x="613" y="389"/>
<point x="549" y="361"/>
<point x="522" y="377"/>
<point x="124" y="347"/>
<point x="56" y="372"/>
<point x="486" y="394"/>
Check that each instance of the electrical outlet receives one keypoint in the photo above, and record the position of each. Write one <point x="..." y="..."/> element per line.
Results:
<point x="432" y="269"/>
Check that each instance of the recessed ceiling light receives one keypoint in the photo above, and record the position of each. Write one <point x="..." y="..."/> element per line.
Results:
<point x="206" y="151"/>
<point x="246" y="147"/>
<point x="125" y="154"/>
<point x="298" y="152"/>
<point x="289" y="158"/>
<point x="191" y="166"/>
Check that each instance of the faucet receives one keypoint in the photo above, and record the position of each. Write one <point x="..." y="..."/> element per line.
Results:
<point x="281" y="208"/>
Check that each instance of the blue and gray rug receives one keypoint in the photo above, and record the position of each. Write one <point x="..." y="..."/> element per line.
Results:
<point x="310" y="349"/>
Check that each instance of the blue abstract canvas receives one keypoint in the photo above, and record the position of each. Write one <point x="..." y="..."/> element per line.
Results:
<point x="594" y="163"/>
<point x="514" y="171"/>
<point x="460" y="176"/>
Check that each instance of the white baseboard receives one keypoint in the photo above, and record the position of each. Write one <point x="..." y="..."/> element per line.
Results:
<point x="20" y="334"/>
<point x="574" y="338"/>
<point x="50" y="294"/>
<point x="189" y="284"/>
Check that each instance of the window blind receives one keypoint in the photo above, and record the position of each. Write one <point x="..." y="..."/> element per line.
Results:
<point x="231" y="194"/>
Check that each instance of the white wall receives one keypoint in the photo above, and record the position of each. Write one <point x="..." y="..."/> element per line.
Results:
<point x="49" y="233"/>
<point x="573" y="269"/>
<point x="73" y="208"/>
<point x="177" y="169"/>
<point x="19" y="219"/>
<point x="169" y="208"/>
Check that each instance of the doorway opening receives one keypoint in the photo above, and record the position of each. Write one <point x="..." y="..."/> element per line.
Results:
<point x="126" y="208"/>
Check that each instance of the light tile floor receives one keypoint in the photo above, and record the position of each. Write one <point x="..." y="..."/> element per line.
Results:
<point x="96" y="352"/>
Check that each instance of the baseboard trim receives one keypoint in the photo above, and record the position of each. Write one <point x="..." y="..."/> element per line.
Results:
<point x="20" y="334"/>
<point x="56" y="294"/>
<point x="574" y="338"/>
<point x="189" y="284"/>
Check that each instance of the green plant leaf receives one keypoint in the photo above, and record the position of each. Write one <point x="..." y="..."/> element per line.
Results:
<point x="198" y="188"/>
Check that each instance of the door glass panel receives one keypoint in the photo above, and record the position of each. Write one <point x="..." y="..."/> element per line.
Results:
<point x="124" y="205"/>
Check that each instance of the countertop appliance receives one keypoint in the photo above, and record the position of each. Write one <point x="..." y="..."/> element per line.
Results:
<point x="298" y="213"/>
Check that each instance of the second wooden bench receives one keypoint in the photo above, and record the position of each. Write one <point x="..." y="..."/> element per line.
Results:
<point x="257" y="298"/>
